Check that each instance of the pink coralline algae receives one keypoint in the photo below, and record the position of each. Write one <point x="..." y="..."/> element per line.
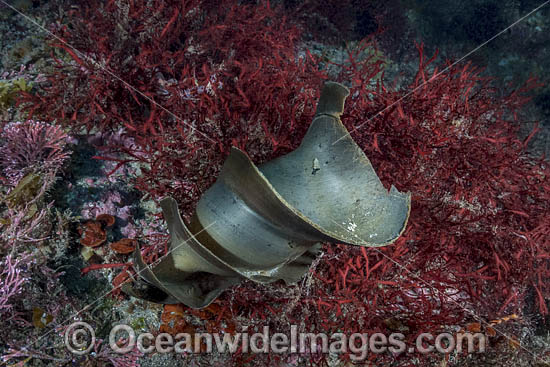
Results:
<point x="105" y="353"/>
<point x="24" y="72"/>
<point x="22" y="227"/>
<point x="11" y="283"/>
<point x="213" y="77"/>
<point x="31" y="146"/>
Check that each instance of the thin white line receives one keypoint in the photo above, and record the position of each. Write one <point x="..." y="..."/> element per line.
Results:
<point x="440" y="293"/>
<point x="80" y="54"/>
<point x="93" y="62"/>
<point x="103" y="296"/>
<point x="442" y="71"/>
<point x="193" y="128"/>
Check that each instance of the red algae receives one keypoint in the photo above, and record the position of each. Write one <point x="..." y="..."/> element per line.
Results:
<point x="206" y="79"/>
<point x="124" y="246"/>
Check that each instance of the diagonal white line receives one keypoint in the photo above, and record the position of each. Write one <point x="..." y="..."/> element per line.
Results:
<point x="442" y="71"/>
<point x="210" y="139"/>
<point x="80" y="54"/>
<point x="473" y="314"/>
<point x="93" y="62"/>
<point x="103" y="296"/>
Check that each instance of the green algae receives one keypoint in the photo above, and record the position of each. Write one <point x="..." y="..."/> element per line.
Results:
<point x="26" y="190"/>
<point x="9" y="89"/>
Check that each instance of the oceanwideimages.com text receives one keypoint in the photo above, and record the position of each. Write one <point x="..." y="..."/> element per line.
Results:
<point x="80" y="336"/>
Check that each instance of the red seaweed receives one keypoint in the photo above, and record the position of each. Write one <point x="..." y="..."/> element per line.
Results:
<point x="208" y="78"/>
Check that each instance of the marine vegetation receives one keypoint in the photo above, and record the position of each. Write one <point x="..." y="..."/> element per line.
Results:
<point x="166" y="88"/>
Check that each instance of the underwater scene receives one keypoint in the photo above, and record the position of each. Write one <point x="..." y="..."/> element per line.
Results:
<point x="276" y="183"/>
